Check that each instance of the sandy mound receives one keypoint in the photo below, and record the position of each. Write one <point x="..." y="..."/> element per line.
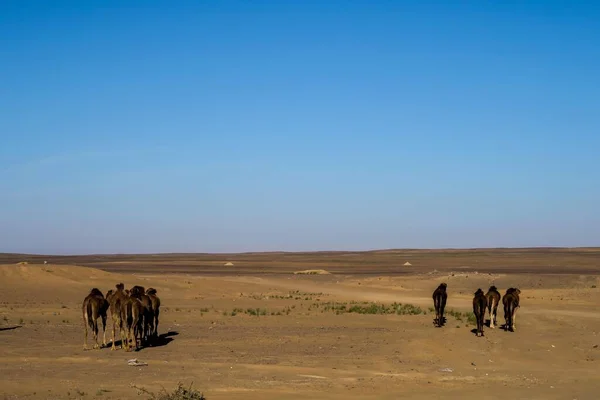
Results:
<point x="46" y="282"/>
<point x="50" y="274"/>
<point x="312" y="272"/>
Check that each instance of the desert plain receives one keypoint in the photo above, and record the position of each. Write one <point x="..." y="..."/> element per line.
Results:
<point x="248" y="326"/>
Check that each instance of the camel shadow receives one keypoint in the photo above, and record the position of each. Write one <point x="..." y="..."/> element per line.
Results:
<point x="159" y="341"/>
<point x="162" y="339"/>
<point x="474" y="332"/>
<point x="10" y="328"/>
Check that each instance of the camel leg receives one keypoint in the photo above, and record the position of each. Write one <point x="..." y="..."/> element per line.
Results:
<point x="156" y="324"/>
<point x="495" y="316"/>
<point x="96" y="345"/>
<point x="85" y="335"/>
<point x="135" y="331"/>
<point x="129" y="339"/>
<point x="492" y="319"/>
<point x="121" y="333"/>
<point x="514" y="315"/>
<point x="113" y="347"/>
<point x="126" y="341"/>
<point x="104" y="331"/>
<point x="138" y="334"/>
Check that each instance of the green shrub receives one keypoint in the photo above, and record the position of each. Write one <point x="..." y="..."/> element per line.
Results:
<point x="181" y="393"/>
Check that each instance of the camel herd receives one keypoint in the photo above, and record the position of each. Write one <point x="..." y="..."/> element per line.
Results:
<point x="481" y="301"/>
<point x="134" y="312"/>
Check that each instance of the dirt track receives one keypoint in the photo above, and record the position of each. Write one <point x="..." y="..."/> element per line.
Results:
<point x="299" y="348"/>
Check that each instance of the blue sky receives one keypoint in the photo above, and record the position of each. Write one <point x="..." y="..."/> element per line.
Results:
<point x="247" y="126"/>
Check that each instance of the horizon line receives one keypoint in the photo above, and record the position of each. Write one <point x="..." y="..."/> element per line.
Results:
<point x="397" y="249"/>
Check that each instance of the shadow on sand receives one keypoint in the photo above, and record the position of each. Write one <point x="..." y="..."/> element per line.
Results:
<point x="162" y="340"/>
<point x="474" y="332"/>
<point x="10" y="328"/>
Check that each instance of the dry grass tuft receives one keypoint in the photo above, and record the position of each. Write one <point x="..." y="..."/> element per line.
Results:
<point x="312" y="272"/>
<point x="181" y="393"/>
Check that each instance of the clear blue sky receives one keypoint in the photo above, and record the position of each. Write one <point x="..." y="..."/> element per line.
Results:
<point x="252" y="125"/>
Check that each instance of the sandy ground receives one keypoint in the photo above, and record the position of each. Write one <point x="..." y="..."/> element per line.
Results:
<point x="298" y="348"/>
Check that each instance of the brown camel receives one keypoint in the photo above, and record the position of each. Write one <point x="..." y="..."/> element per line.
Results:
<point x="151" y="292"/>
<point x="479" y="305"/>
<point x="439" y="302"/>
<point x="132" y="317"/>
<point x="493" y="299"/>
<point x="94" y="307"/>
<point x="138" y="292"/>
<point x="510" y="301"/>
<point x="116" y="299"/>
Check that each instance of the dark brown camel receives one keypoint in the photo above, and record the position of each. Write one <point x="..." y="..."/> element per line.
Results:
<point x="138" y="292"/>
<point x="493" y="299"/>
<point x="479" y="305"/>
<point x="439" y="302"/>
<point x="94" y="306"/>
<point x="151" y="292"/>
<point x="510" y="301"/>
<point x="116" y="299"/>
<point x="132" y="319"/>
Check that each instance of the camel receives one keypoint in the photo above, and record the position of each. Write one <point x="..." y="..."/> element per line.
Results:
<point x="151" y="292"/>
<point x="148" y="317"/>
<point x="439" y="302"/>
<point x="115" y="299"/>
<point x="493" y="299"/>
<point x="94" y="307"/>
<point x="137" y="290"/>
<point x="132" y="319"/>
<point x="479" y="305"/>
<point x="510" y="301"/>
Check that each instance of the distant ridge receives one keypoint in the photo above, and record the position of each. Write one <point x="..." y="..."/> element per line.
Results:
<point x="304" y="252"/>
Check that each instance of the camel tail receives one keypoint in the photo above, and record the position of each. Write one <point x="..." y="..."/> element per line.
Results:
<point x="88" y="313"/>
<point x="509" y="308"/>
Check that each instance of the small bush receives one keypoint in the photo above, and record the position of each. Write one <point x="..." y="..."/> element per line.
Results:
<point x="256" y="311"/>
<point x="456" y="314"/>
<point x="471" y="318"/>
<point x="181" y="393"/>
<point x="371" y="308"/>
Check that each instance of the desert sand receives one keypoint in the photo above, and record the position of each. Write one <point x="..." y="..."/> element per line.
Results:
<point x="256" y="330"/>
